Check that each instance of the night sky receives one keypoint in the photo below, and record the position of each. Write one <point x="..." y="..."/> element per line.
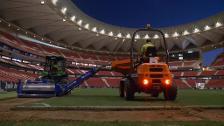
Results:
<point x="158" y="13"/>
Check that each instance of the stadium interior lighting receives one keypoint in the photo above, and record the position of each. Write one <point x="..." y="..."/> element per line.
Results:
<point x="102" y="31"/>
<point x="196" y="30"/>
<point x="156" y="36"/>
<point x="94" y="29"/>
<point x="123" y="40"/>
<point x="111" y="34"/>
<point x="119" y="35"/>
<point x="146" y="36"/>
<point x="207" y="28"/>
<point x="42" y="2"/>
<point x="63" y="10"/>
<point x="79" y="22"/>
<point x="166" y="35"/>
<point x="137" y="36"/>
<point x="63" y="20"/>
<point x="218" y="24"/>
<point x="73" y="18"/>
<point x="54" y="2"/>
<point x="186" y="32"/>
<point x="128" y="36"/>
<point x="175" y="34"/>
<point x="86" y="26"/>
<point x="80" y="29"/>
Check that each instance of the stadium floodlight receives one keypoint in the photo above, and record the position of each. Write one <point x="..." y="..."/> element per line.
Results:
<point x="175" y="34"/>
<point x="54" y="2"/>
<point x="79" y="22"/>
<point x="196" y="30"/>
<point x="86" y="26"/>
<point x="137" y="36"/>
<point x="119" y="35"/>
<point x="167" y="35"/>
<point x="128" y="36"/>
<point x="63" y="10"/>
<point x="80" y="29"/>
<point x="218" y="24"/>
<point x="42" y="2"/>
<point x="102" y="32"/>
<point x="207" y="28"/>
<point x="63" y="20"/>
<point x="73" y="18"/>
<point x="94" y="29"/>
<point x="146" y="36"/>
<point x="186" y="32"/>
<point x="156" y="36"/>
<point x="111" y="34"/>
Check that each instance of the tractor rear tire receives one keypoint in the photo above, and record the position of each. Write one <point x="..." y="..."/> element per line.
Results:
<point x="170" y="94"/>
<point x="121" y="89"/>
<point x="129" y="91"/>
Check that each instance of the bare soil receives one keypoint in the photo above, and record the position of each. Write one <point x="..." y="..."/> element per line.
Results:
<point x="153" y="115"/>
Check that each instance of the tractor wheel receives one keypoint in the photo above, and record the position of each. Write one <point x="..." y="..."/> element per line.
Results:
<point x="129" y="91"/>
<point x="121" y="89"/>
<point x="170" y="93"/>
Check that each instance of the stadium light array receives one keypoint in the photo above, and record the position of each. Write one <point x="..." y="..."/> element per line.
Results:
<point x="86" y="26"/>
<point x="167" y="35"/>
<point x="79" y="22"/>
<point x="218" y="24"/>
<point x="73" y="18"/>
<point x="94" y="29"/>
<point x="186" y="32"/>
<point x="156" y="36"/>
<point x="137" y="36"/>
<point x="119" y="35"/>
<point x="175" y="34"/>
<point x="42" y="2"/>
<point x="102" y="32"/>
<point x="146" y="36"/>
<point x="196" y="30"/>
<point x="63" y="10"/>
<point x="128" y="36"/>
<point x="63" y="20"/>
<point x="207" y="28"/>
<point x="54" y="2"/>
<point x="111" y="34"/>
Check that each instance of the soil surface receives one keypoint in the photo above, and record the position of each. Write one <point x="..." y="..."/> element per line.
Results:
<point x="152" y="115"/>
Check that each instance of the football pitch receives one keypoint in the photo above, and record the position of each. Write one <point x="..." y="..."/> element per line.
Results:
<point x="110" y="97"/>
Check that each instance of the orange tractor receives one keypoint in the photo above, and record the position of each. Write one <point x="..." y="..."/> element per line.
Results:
<point x="147" y="77"/>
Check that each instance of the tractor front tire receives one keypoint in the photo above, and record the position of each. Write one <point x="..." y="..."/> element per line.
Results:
<point x="121" y="89"/>
<point x="170" y="94"/>
<point x="129" y="91"/>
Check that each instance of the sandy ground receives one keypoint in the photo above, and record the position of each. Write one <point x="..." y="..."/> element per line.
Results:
<point x="153" y="115"/>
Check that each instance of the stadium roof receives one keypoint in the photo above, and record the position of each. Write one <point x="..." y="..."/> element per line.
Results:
<point x="66" y="25"/>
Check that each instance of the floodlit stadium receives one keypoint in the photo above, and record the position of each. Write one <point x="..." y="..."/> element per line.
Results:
<point x="61" y="65"/>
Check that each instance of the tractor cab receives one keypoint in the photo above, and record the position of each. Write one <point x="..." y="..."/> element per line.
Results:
<point x="54" y="68"/>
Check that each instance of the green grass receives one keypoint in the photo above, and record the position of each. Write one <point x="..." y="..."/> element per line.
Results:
<point x="80" y="123"/>
<point x="7" y="95"/>
<point x="109" y="97"/>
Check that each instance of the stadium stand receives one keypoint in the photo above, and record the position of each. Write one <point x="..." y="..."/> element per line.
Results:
<point x="14" y="46"/>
